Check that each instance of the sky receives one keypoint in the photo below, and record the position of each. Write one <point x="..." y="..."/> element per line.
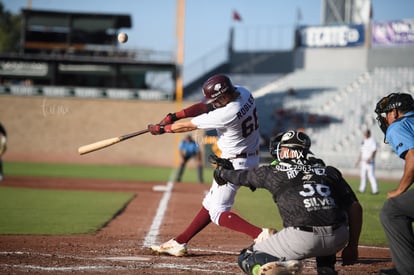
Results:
<point x="208" y="22"/>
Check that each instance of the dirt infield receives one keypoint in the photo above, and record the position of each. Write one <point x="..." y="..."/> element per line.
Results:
<point x="119" y="247"/>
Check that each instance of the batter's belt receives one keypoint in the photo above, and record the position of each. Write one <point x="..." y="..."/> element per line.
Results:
<point x="311" y="228"/>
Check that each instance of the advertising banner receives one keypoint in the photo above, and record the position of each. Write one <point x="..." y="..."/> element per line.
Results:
<point x="23" y="68"/>
<point x="393" y="33"/>
<point x="332" y="36"/>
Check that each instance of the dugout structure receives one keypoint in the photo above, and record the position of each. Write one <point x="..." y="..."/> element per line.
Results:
<point x="69" y="50"/>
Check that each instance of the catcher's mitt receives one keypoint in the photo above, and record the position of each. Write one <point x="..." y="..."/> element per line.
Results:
<point x="220" y="164"/>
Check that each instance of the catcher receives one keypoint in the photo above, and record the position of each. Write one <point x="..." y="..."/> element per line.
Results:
<point x="3" y="147"/>
<point x="320" y="212"/>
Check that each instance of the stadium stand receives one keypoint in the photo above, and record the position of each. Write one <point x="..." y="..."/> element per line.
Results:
<point x="348" y="98"/>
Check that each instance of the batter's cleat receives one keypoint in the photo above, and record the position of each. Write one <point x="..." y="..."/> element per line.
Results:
<point x="266" y="233"/>
<point x="291" y="267"/>
<point x="171" y="248"/>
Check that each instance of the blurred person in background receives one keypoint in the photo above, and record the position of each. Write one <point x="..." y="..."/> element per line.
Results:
<point x="188" y="149"/>
<point x="366" y="160"/>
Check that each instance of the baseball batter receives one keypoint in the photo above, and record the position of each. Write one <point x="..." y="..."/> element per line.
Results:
<point x="320" y="212"/>
<point x="231" y="110"/>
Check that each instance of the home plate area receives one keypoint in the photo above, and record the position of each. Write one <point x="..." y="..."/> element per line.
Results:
<point x="119" y="248"/>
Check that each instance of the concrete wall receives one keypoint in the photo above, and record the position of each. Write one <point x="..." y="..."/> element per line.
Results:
<point x="261" y="62"/>
<point x="44" y="129"/>
<point x="391" y="57"/>
<point x="353" y="58"/>
<point x="321" y="59"/>
<point x="331" y="58"/>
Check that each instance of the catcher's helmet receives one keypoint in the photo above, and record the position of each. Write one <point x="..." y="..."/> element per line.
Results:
<point x="399" y="101"/>
<point x="291" y="139"/>
<point x="216" y="86"/>
<point x="274" y="145"/>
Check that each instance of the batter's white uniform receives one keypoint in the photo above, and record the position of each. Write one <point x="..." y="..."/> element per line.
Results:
<point x="368" y="147"/>
<point x="238" y="139"/>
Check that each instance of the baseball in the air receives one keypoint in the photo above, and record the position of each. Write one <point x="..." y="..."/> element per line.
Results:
<point x="122" y="37"/>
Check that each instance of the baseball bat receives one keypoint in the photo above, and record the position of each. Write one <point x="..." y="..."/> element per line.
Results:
<point x="108" y="142"/>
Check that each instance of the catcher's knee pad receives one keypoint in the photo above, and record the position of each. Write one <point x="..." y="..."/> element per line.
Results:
<point x="249" y="258"/>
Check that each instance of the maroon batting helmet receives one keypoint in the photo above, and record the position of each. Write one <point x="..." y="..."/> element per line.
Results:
<point x="216" y="86"/>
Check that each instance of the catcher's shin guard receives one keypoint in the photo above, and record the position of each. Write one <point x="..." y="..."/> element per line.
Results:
<point x="248" y="259"/>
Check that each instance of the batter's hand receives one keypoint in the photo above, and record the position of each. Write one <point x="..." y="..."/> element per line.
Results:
<point x="156" y="129"/>
<point x="349" y="255"/>
<point x="393" y="193"/>
<point x="169" y="119"/>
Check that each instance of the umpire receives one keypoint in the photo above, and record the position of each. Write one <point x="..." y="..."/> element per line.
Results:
<point x="189" y="149"/>
<point x="320" y="212"/>
<point x="395" y="115"/>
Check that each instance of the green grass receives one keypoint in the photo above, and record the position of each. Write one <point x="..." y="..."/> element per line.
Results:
<point x="86" y="171"/>
<point x="50" y="212"/>
<point x="257" y="207"/>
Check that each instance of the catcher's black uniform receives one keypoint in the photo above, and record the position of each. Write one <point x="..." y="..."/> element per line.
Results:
<point x="313" y="201"/>
<point x="307" y="194"/>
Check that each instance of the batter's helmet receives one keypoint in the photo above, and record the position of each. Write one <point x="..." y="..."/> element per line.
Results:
<point x="398" y="101"/>
<point x="291" y="139"/>
<point x="216" y="86"/>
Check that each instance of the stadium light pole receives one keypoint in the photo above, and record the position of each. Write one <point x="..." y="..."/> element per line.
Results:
<point x="180" y="14"/>
<point x="179" y="55"/>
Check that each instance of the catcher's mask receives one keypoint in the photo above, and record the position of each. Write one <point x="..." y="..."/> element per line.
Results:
<point x="294" y="140"/>
<point x="398" y="101"/>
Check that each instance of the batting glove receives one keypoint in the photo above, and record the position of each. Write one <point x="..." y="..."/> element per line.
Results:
<point x="169" y="119"/>
<point x="156" y="129"/>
